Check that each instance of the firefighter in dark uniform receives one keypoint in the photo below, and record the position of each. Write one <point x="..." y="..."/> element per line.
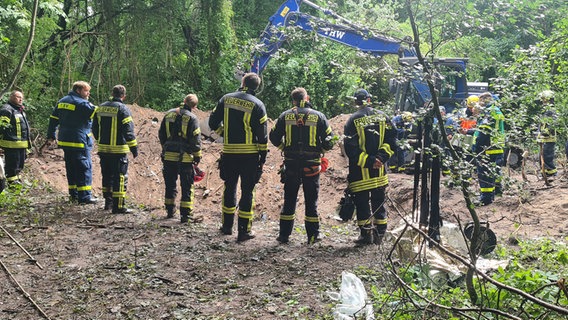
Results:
<point x="303" y="134"/>
<point x="369" y="141"/>
<point x="73" y="116"/>
<point x="547" y="133"/>
<point x="114" y="130"/>
<point x="180" y="138"/>
<point x="241" y="118"/>
<point x="488" y="146"/>
<point x="14" y="136"/>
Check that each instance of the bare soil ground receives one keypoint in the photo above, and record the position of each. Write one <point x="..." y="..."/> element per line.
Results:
<point x="95" y="265"/>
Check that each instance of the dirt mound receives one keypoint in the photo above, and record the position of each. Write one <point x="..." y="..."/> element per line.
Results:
<point x="516" y="212"/>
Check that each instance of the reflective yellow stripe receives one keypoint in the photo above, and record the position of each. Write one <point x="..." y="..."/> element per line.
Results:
<point x="240" y="148"/>
<point x="247" y="128"/>
<point x="313" y="136"/>
<point x="263" y="119"/>
<point x="312" y="219"/>
<point x="84" y="188"/>
<point x="487" y="190"/>
<point x="494" y="151"/>
<point x="54" y="117"/>
<point x="287" y="217"/>
<point x="169" y="201"/>
<point x="5" y="119"/>
<point x="175" y="156"/>
<point x="66" y="106"/>
<point x="104" y="148"/>
<point x="70" y="144"/>
<point x="126" y="120"/>
<point x="132" y="143"/>
<point x="228" y="210"/>
<point x="288" y="138"/>
<point x="380" y="221"/>
<point x="368" y="184"/>
<point x="18" y="128"/>
<point x="14" y="144"/>
<point x="118" y="194"/>
<point x="246" y="215"/>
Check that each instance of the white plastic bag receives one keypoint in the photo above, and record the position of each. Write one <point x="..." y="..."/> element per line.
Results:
<point x="353" y="299"/>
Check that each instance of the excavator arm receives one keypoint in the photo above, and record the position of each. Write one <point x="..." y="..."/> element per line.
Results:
<point x="351" y="35"/>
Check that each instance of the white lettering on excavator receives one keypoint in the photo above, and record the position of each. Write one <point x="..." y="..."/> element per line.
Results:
<point x="335" y="34"/>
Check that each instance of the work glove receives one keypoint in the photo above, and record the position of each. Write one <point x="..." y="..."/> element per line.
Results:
<point x="196" y="160"/>
<point x="134" y="151"/>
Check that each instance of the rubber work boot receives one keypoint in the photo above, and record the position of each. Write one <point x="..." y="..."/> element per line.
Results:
<point x="170" y="210"/>
<point x="312" y="231"/>
<point x="227" y="227"/>
<point x="286" y="227"/>
<point x="366" y="236"/>
<point x="184" y="215"/>
<point x="378" y="237"/>
<point x="244" y="231"/>
<point x="119" y="209"/>
<point x="108" y="200"/>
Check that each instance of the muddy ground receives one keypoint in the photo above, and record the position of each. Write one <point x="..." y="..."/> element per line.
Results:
<point x="90" y="264"/>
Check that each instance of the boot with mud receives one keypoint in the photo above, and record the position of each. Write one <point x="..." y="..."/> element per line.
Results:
<point x="366" y="236"/>
<point x="286" y="227"/>
<point x="379" y="233"/>
<point x="244" y="226"/>
<point x="227" y="227"/>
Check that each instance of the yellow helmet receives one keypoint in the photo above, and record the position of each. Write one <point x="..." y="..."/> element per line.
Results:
<point x="472" y="100"/>
<point x="407" y="116"/>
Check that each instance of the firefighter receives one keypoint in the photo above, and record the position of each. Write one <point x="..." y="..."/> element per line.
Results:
<point x="73" y="116"/>
<point x="113" y="129"/>
<point x="303" y="134"/>
<point x="547" y="133"/>
<point x="240" y="118"/>
<point x="404" y="126"/>
<point x="369" y="139"/>
<point x="14" y="136"/>
<point x="488" y="145"/>
<point x="180" y="137"/>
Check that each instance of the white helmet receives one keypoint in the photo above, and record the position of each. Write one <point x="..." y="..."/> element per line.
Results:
<point x="546" y="95"/>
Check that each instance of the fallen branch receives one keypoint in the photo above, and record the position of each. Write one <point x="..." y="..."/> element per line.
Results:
<point x="23" y="249"/>
<point x="27" y="295"/>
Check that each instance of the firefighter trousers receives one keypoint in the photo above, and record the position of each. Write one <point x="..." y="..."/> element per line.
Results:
<point x="489" y="175"/>
<point x="14" y="163"/>
<point x="114" y="172"/>
<point x="294" y="177"/>
<point x="373" y="212"/>
<point x="79" y="169"/>
<point x="243" y="166"/>
<point x="172" y="170"/>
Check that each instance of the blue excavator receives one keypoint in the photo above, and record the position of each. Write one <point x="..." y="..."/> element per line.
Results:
<point x="410" y="94"/>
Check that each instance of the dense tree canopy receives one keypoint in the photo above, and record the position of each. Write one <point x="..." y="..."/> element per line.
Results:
<point x="161" y="50"/>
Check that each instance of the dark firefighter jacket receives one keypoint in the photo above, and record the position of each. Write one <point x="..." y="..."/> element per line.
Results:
<point x="546" y="130"/>
<point x="490" y="136"/>
<point x="73" y="115"/>
<point x="113" y="128"/>
<point x="369" y="134"/>
<point x="302" y="134"/>
<point x="240" y="118"/>
<point x="180" y="136"/>
<point x="14" y="128"/>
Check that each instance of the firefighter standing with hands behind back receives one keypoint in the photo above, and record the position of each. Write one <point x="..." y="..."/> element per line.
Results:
<point x="180" y="138"/>
<point x="303" y="134"/>
<point x="369" y="141"/>
<point x="114" y="130"/>
<point x="241" y="118"/>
